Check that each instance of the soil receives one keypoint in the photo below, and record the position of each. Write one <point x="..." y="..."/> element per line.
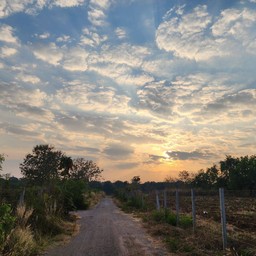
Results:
<point x="106" y="231"/>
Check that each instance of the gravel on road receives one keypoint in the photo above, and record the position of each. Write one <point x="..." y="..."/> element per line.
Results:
<point x="106" y="231"/>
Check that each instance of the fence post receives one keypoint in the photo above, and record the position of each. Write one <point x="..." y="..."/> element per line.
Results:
<point x="193" y="209"/>
<point x="165" y="199"/>
<point x="177" y="206"/>
<point x="157" y="201"/>
<point x="223" y="218"/>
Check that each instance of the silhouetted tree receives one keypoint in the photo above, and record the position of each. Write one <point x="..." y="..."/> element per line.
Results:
<point x="43" y="165"/>
<point x="85" y="170"/>
<point x="1" y="161"/>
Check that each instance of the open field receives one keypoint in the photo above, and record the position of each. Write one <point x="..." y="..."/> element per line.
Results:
<point x="207" y="237"/>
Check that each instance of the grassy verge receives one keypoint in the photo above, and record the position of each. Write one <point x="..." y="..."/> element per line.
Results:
<point x="181" y="240"/>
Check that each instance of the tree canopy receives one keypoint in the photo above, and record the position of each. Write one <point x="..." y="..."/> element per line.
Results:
<point x="1" y="161"/>
<point x="46" y="164"/>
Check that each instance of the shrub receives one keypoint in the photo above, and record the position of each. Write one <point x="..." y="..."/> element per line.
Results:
<point x="20" y="242"/>
<point x="185" y="221"/>
<point x="164" y="215"/>
<point x="7" y="221"/>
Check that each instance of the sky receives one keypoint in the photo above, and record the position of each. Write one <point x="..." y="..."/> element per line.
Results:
<point x="141" y="87"/>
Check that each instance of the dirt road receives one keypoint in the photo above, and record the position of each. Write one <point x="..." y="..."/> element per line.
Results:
<point x="106" y="231"/>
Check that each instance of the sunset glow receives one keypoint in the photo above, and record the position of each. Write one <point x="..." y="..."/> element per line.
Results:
<point x="146" y="88"/>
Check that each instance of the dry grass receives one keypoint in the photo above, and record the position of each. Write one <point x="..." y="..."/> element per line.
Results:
<point x="20" y="243"/>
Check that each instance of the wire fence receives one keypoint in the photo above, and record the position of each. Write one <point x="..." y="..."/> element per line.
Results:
<point x="232" y="212"/>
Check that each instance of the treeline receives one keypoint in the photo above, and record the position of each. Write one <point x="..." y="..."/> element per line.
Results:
<point x="37" y="206"/>
<point x="233" y="173"/>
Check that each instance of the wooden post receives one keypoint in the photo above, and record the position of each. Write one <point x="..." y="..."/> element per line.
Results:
<point x="165" y="199"/>
<point x="177" y="206"/>
<point x="193" y="209"/>
<point x="223" y="218"/>
<point x="157" y="201"/>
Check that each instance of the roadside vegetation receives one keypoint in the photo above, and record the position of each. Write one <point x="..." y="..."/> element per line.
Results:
<point x="236" y="175"/>
<point x="35" y="209"/>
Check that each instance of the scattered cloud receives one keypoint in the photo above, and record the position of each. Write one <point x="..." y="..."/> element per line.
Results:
<point x="123" y="90"/>
<point x="118" y="151"/>
<point x="7" y="51"/>
<point x="7" y="34"/>
<point x="121" y="33"/>
<point x="194" y="155"/>
<point x="196" y="35"/>
<point x="49" y="53"/>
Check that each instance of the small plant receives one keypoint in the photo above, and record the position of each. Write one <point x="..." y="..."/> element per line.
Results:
<point x="185" y="221"/>
<point x="173" y="244"/>
<point x="165" y="216"/>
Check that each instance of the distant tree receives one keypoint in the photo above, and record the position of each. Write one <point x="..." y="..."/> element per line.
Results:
<point x="136" y="180"/>
<point x="170" y="179"/>
<point x="243" y="175"/>
<point x="184" y="176"/>
<point x="2" y="158"/>
<point x="85" y="170"/>
<point x="201" y="179"/>
<point x="43" y="165"/>
<point x="66" y="164"/>
<point x="227" y="167"/>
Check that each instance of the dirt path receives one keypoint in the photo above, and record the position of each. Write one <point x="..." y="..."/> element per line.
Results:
<point x="106" y="231"/>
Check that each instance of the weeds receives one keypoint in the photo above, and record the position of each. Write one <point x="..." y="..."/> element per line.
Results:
<point x="166" y="216"/>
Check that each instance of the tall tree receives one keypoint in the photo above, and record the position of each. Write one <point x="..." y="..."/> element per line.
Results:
<point x="85" y="170"/>
<point x="43" y="165"/>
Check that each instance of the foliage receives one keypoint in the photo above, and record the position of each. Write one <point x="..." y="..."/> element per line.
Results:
<point x="85" y="170"/>
<point x="42" y="165"/>
<point x="2" y="158"/>
<point x="73" y="195"/>
<point x="234" y="173"/>
<point x="7" y="221"/>
<point x="166" y="216"/>
<point x="20" y="243"/>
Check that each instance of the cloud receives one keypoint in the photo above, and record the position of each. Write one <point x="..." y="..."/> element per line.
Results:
<point x="126" y="166"/>
<point x="6" y="34"/>
<point x="130" y="55"/>
<point x="196" y="35"/>
<point x="65" y="3"/>
<point x="75" y="59"/>
<point x="118" y="151"/>
<point x="122" y="63"/>
<point x="28" y="78"/>
<point x="90" y="97"/>
<point x="97" y="12"/>
<point x="13" y="95"/>
<point x="7" y="51"/>
<point x="156" y="97"/>
<point x="31" y="7"/>
<point x="194" y="155"/>
<point x="121" y="33"/>
<point x="19" y="129"/>
<point x="241" y="100"/>
<point x="43" y="36"/>
<point x="91" y="38"/>
<point x="49" y="53"/>
<point x="63" y="38"/>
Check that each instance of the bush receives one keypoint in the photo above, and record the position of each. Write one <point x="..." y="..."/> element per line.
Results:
<point x="185" y="221"/>
<point x="20" y="242"/>
<point x="165" y="216"/>
<point x="7" y="221"/>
